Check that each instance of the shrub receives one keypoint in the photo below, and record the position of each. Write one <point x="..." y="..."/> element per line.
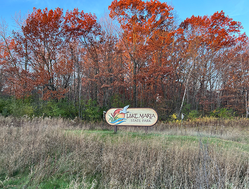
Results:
<point x="92" y="111"/>
<point x="173" y="117"/>
<point x="18" y="108"/>
<point x="222" y="113"/>
<point x="193" y="114"/>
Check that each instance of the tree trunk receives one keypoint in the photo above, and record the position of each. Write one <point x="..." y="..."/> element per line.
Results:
<point x="185" y="90"/>
<point x="134" y="85"/>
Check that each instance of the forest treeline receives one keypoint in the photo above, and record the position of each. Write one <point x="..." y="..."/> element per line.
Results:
<point x="73" y="64"/>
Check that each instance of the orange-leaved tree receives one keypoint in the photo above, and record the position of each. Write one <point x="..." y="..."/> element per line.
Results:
<point x="39" y="47"/>
<point x="140" y="21"/>
<point x="205" y="38"/>
<point x="84" y="28"/>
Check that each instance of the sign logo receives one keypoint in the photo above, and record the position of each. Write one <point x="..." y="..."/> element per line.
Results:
<point x="131" y="116"/>
<point x="118" y="116"/>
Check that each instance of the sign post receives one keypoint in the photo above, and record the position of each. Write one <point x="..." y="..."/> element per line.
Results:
<point x="144" y="117"/>
<point x="115" y="129"/>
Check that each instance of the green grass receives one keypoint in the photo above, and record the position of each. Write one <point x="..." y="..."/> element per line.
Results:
<point x="55" y="183"/>
<point x="23" y="180"/>
<point x="181" y="139"/>
<point x="16" y="181"/>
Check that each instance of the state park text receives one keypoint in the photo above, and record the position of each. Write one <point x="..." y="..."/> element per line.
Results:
<point x="140" y="117"/>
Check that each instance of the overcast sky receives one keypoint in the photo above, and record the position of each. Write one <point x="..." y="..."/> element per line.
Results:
<point x="236" y="9"/>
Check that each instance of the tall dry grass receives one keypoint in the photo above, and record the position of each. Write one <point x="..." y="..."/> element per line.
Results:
<point x="43" y="150"/>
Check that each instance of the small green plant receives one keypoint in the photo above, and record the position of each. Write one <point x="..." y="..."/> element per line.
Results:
<point x="50" y="108"/>
<point x="18" y="108"/>
<point x="193" y="114"/>
<point x="5" y="107"/>
<point x="173" y="117"/>
<point x="222" y="113"/>
<point x="92" y="111"/>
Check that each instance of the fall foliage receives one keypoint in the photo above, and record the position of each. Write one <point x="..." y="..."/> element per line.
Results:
<point x="139" y="55"/>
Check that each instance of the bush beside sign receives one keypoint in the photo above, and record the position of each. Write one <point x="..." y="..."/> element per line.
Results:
<point x="131" y="117"/>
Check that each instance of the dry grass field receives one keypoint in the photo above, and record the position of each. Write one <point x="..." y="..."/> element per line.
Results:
<point x="57" y="153"/>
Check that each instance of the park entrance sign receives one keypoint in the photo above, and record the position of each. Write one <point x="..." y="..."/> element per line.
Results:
<point x="144" y="117"/>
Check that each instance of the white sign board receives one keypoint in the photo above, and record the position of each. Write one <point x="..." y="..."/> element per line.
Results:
<point x="131" y="116"/>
